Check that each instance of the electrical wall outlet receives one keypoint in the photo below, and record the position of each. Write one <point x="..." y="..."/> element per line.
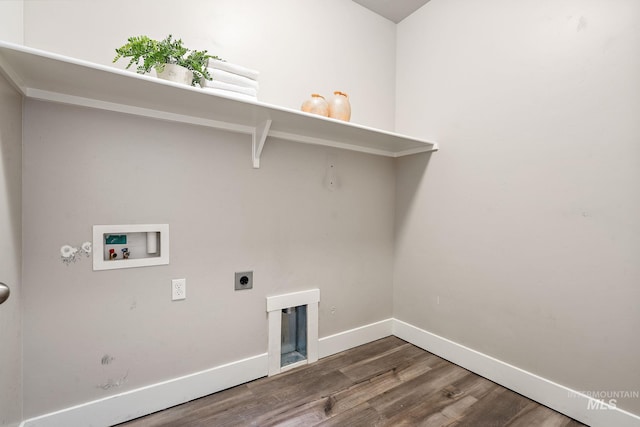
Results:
<point x="244" y="280"/>
<point x="178" y="289"/>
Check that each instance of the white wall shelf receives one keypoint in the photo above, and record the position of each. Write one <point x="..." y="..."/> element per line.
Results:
<point x="47" y="76"/>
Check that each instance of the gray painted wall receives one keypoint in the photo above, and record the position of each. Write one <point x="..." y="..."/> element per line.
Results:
<point x="521" y="239"/>
<point x="84" y="167"/>
<point x="11" y="250"/>
<point x="12" y="19"/>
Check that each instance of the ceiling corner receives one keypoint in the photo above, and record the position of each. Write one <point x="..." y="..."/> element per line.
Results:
<point x="393" y="10"/>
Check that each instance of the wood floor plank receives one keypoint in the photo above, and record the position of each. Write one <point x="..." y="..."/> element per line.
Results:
<point x="413" y="392"/>
<point x="381" y="384"/>
<point x="240" y="413"/>
<point x="308" y="414"/>
<point x="429" y="404"/>
<point x="371" y="376"/>
<point x="360" y="392"/>
<point x="541" y="416"/>
<point x="291" y="397"/>
<point x="195" y="410"/>
<point x="372" y="366"/>
<point x="449" y="414"/>
<point x="476" y="386"/>
<point x="354" y="355"/>
<point x="445" y="402"/>
<point x="361" y="415"/>
<point x="497" y="408"/>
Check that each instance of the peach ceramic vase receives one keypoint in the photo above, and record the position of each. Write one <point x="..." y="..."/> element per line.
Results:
<point x="316" y="105"/>
<point x="340" y="107"/>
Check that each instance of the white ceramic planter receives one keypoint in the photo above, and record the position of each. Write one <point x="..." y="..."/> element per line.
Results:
<point x="176" y="73"/>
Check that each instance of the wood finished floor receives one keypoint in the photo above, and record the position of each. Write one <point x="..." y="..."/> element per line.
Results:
<point x="388" y="382"/>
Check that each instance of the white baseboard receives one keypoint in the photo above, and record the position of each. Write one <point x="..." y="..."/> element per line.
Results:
<point x="156" y="397"/>
<point x="146" y="400"/>
<point x="354" y="337"/>
<point x="560" y="398"/>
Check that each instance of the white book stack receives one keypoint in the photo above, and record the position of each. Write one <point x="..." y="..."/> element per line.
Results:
<point x="231" y="80"/>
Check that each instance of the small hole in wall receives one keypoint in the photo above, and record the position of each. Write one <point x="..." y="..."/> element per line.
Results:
<point x="106" y="359"/>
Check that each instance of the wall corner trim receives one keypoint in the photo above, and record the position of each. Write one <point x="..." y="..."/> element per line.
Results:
<point x="558" y="397"/>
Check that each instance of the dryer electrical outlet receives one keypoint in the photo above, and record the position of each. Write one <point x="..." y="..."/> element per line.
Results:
<point x="243" y="280"/>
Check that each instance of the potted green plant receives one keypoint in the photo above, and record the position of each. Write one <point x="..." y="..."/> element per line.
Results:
<point x="171" y="60"/>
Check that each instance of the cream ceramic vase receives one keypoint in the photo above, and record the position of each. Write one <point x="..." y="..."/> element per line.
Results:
<point x="340" y="107"/>
<point x="316" y="105"/>
<point x="176" y="73"/>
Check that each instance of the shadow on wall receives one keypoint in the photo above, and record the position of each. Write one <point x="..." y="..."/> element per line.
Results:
<point x="10" y="165"/>
<point x="411" y="172"/>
